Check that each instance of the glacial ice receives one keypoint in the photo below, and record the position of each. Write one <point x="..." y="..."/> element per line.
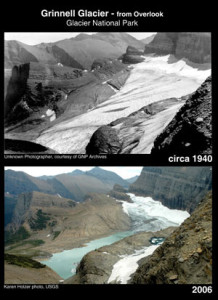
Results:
<point x="157" y="78"/>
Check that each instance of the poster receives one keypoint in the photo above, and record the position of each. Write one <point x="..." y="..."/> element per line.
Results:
<point x="108" y="150"/>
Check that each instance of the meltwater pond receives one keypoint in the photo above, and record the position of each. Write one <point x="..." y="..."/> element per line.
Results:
<point x="145" y="213"/>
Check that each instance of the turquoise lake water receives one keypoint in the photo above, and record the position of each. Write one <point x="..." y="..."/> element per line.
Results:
<point x="64" y="263"/>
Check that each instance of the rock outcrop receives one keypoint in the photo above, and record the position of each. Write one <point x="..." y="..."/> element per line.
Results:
<point x="185" y="257"/>
<point x="17" y="86"/>
<point x="120" y="193"/>
<point x="190" y="131"/>
<point x="123" y="135"/>
<point x="176" y="187"/>
<point x="133" y="56"/>
<point x="195" y="46"/>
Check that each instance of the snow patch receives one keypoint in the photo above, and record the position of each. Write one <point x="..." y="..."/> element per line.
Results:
<point x="59" y="196"/>
<point x="126" y="266"/>
<point x="49" y="112"/>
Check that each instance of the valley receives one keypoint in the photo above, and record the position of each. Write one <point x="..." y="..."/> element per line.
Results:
<point x="83" y="238"/>
<point x="104" y="93"/>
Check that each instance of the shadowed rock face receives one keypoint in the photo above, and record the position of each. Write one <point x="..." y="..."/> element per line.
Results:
<point x="190" y="132"/>
<point x="17" y="86"/>
<point x="175" y="187"/>
<point x="132" y="56"/>
<point x="187" y="253"/>
<point x="191" y="45"/>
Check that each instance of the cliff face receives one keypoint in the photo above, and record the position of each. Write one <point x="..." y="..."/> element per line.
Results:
<point x="187" y="253"/>
<point x="190" y="131"/>
<point x="29" y="203"/>
<point x="17" y="86"/>
<point x="175" y="187"/>
<point x="191" y="45"/>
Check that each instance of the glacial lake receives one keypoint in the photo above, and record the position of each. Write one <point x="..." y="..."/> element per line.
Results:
<point x="64" y="263"/>
<point x="145" y="213"/>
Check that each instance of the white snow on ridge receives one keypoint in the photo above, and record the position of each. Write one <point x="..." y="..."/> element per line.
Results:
<point x="126" y="266"/>
<point x="150" y="81"/>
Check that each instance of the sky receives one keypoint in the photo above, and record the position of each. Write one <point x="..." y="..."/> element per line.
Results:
<point x="124" y="172"/>
<point x="34" y="38"/>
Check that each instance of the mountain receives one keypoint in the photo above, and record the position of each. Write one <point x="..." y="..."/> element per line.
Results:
<point x="187" y="253"/>
<point x="9" y="205"/>
<point x="108" y="177"/>
<point x="174" y="186"/>
<point x="20" y="182"/>
<point x="190" y="131"/>
<point x="195" y="46"/>
<point x="132" y="179"/>
<point x="86" y="48"/>
<point x="74" y="185"/>
<point x="78" y="52"/>
<point x="17" y="53"/>
<point x="148" y="39"/>
<point x="80" y="185"/>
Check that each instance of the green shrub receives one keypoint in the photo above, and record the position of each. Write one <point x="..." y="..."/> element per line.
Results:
<point x="14" y="237"/>
<point x="40" y="221"/>
<point x="22" y="261"/>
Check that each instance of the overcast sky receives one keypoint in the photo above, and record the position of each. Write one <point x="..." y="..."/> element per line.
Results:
<point x="124" y="172"/>
<point x="34" y="38"/>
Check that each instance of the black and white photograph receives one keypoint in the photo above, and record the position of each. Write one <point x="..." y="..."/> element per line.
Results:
<point x="108" y="93"/>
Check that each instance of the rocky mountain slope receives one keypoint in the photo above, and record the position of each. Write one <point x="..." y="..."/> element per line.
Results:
<point x="174" y="186"/>
<point x="22" y="270"/>
<point x="187" y="253"/>
<point x="190" y="131"/>
<point x="39" y="95"/>
<point x="59" y="223"/>
<point x="195" y="46"/>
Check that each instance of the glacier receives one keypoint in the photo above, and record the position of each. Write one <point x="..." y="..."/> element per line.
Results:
<point x="151" y="215"/>
<point x="155" y="79"/>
